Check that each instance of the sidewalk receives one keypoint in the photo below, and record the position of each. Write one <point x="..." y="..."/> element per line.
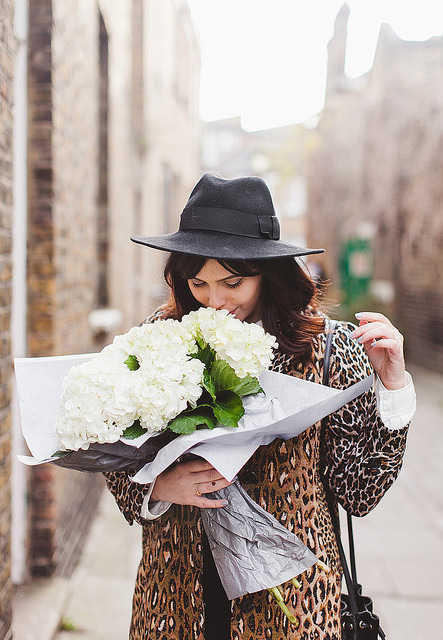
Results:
<point x="95" y="603"/>
<point x="399" y="545"/>
<point x="399" y="553"/>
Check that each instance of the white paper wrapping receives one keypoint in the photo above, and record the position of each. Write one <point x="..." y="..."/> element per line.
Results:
<point x="39" y="387"/>
<point x="296" y="403"/>
<point x="290" y="405"/>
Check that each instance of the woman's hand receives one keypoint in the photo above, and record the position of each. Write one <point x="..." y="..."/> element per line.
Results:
<point x="383" y="344"/>
<point x="187" y="482"/>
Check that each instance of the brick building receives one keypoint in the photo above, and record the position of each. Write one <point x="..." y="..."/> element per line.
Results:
<point x="384" y="132"/>
<point x="7" y="52"/>
<point x="107" y="144"/>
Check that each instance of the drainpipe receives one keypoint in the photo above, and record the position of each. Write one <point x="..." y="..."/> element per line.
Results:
<point x="19" y="285"/>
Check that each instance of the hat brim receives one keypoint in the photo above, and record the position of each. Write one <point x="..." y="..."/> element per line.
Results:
<point x="223" y="246"/>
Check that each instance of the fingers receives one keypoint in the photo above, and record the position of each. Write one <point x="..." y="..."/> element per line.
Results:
<point x="216" y="484"/>
<point x="383" y="344"/>
<point x="208" y="481"/>
<point x="204" y="476"/>
<point x="372" y="316"/>
<point x="188" y="482"/>
<point x="208" y="503"/>
<point x="378" y="337"/>
<point x="371" y="319"/>
<point x="211" y="477"/>
<point x="198" y="464"/>
<point x="205" y="503"/>
<point x="375" y="330"/>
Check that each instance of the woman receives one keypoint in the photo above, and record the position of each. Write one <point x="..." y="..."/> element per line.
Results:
<point x="227" y="254"/>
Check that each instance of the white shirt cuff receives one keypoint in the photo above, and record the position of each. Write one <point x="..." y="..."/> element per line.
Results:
<point x="396" y="407"/>
<point x="153" y="511"/>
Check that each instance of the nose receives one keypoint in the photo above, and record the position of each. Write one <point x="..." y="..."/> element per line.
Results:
<point x="216" y="298"/>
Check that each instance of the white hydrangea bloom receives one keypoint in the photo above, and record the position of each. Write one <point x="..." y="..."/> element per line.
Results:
<point x="102" y="397"/>
<point x="96" y="404"/>
<point x="246" y="347"/>
<point x="164" y="388"/>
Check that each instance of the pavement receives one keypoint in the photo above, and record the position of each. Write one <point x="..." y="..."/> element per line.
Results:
<point x="399" y="550"/>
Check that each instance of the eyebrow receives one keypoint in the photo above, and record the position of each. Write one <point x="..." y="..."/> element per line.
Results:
<point x="221" y="279"/>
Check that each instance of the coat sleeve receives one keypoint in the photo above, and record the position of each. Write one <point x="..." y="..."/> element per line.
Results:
<point x="362" y="456"/>
<point x="129" y="495"/>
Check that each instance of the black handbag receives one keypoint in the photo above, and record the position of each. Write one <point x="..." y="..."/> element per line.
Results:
<point x="358" y="621"/>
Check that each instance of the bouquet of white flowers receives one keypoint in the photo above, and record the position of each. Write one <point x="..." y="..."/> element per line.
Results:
<point x="167" y="375"/>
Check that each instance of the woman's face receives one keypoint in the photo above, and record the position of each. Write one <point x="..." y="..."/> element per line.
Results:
<point x="215" y="286"/>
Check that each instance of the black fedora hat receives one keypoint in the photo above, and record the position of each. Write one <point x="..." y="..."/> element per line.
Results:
<point x="228" y="219"/>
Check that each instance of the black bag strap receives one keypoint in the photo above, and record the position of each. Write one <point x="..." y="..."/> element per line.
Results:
<point x="349" y="575"/>
<point x="327" y="353"/>
<point x="351" y="580"/>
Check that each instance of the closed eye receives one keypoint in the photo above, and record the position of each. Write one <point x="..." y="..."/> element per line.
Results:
<point x="230" y="285"/>
<point x="233" y="285"/>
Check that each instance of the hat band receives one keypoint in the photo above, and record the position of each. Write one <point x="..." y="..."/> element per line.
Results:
<point x="237" y="223"/>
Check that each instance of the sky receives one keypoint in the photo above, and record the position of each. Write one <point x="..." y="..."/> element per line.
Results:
<point x="266" y="60"/>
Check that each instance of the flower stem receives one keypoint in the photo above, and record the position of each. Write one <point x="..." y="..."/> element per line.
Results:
<point x="279" y="599"/>
<point x="324" y="567"/>
<point x="296" y="583"/>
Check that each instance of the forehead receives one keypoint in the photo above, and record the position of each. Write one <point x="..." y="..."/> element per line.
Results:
<point x="213" y="270"/>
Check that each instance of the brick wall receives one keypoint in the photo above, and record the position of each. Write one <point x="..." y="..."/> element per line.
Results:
<point x="97" y="176"/>
<point x="40" y="261"/>
<point x="168" y="152"/>
<point x="62" y="245"/>
<point x="7" y="48"/>
<point x="75" y="142"/>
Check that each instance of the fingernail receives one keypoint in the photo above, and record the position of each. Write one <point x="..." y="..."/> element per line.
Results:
<point x="224" y="503"/>
<point x="373" y="343"/>
<point x="359" y="314"/>
<point x="360" y="339"/>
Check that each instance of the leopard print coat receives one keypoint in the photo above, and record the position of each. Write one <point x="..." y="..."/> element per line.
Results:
<point x="362" y="458"/>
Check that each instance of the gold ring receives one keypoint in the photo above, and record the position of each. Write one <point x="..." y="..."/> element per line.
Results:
<point x="197" y="491"/>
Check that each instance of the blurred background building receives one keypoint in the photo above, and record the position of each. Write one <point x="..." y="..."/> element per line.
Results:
<point x="100" y="138"/>
<point x="364" y="182"/>
<point x="376" y="187"/>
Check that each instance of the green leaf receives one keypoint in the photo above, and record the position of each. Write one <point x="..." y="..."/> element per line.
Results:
<point x="225" y="378"/>
<point x="132" y="363"/>
<point x="228" y="408"/>
<point x="205" y="354"/>
<point x="134" y="431"/>
<point x="247" y="386"/>
<point x="187" y="422"/>
<point x="209" y="384"/>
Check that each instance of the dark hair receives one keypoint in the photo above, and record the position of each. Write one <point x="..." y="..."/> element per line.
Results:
<point x="290" y="306"/>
